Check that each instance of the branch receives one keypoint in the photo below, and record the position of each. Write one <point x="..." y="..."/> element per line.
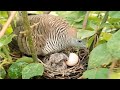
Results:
<point x="97" y="34"/>
<point x="7" y="23"/>
<point x="46" y="12"/>
<point x="103" y="21"/>
<point x="85" y="20"/>
<point x="27" y="28"/>
<point x="5" y="50"/>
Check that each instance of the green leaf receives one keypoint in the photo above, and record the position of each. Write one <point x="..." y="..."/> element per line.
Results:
<point x="6" y="39"/>
<point x="114" y="14"/>
<point x="31" y="70"/>
<point x="99" y="56"/>
<point x="94" y="18"/>
<point x="107" y="25"/>
<point x="78" y="20"/>
<point x="92" y="24"/>
<point x="3" y="15"/>
<point x="106" y="36"/>
<point x="85" y="33"/>
<point x="72" y="16"/>
<point x="2" y="72"/>
<point x="97" y="73"/>
<point x="77" y="25"/>
<point x="101" y="42"/>
<point x="115" y="22"/>
<point x="25" y="59"/>
<point x="9" y="30"/>
<point x="114" y="75"/>
<point x="15" y="70"/>
<point x="113" y="45"/>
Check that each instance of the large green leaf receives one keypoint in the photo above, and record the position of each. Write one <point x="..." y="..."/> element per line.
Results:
<point x="85" y="33"/>
<point x="97" y="73"/>
<point x="99" y="56"/>
<point x="2" y="72"/>
<point x="25" y="59"/>
<point x="72" y="16"/>
<point x="6" y="39"/>
<point x="15" y="70"/>
<point x="113" y="45"/>
<point x="31" y="70"/>
<point x="114" y="14"/>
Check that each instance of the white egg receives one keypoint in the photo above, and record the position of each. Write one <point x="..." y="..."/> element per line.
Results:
<point x="73" y="59"/>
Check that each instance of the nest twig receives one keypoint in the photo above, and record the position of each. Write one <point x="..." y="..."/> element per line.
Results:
<point x="73" y="72"/>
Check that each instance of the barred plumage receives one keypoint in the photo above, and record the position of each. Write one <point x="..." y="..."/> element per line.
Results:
<point x="50" y="34"/>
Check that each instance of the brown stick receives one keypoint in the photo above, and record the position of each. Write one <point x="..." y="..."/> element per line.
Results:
<point x="99" y="30"/>
<point x="85" y="20"/>
<point x="2" y="32"/>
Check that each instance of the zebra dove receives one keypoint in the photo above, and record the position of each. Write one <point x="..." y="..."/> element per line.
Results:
<point x="50" y="34"/>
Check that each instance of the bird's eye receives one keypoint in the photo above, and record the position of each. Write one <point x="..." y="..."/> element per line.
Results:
<point x="79" y="41"/>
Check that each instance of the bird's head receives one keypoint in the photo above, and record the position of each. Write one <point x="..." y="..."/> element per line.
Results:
<point x="77" y="43"/>
<point x="74" y="41"/>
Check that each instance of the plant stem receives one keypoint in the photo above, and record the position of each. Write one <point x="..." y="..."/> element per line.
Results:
<point x="5" y="50"/>
<point x="27" y="28"/>
<point x="97" y="34"/>
<point x="103" y="21"/>
<point x="85" y="19"/>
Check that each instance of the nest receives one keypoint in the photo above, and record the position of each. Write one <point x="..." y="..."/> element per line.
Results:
<point x="56" y="68"/>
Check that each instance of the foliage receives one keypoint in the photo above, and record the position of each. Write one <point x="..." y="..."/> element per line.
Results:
<point x="15" y="70"/>
<point x="106" y="48"/>
<point x="98" y="73"/>
<point x="16" y="66"/>
<point x="6" y="39"/>
<point x="25" y="59"/>
<point x="2" y="73"/>
<point x="31" y="70"/>
<point x="99" y="56"/>
<point x="114" y="45"/>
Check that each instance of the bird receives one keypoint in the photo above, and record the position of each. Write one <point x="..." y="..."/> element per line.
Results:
<point x="50" y="34"/>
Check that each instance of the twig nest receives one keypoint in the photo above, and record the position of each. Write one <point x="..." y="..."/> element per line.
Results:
<point x="72" y="60"/>
<point x="65" y="65"/>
